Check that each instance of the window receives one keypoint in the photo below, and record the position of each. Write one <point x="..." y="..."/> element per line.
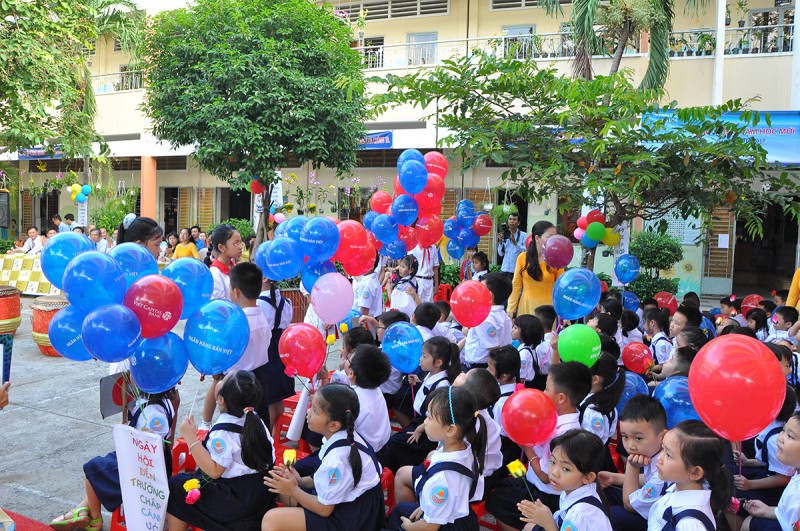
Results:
<point x="117" y="45"/>
<point x="90" y="48"/>
<point x="55" y="165"/>
<point x="373" y="52"/>
<point x="127" y="163"/>
<point x="129" y="79"/>
<point x="380" y="158"/>
<point x="776" y="35"/>
<point x="387" y="9"/>
<point x="519" y="41"/>
<point x="421" y="48"/>
<point x="170" y="163"/>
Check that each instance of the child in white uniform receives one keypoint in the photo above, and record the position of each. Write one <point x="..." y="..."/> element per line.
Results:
<point x="598" y="413"/>
<point x="656" y="322"/>
<point x="368" y="296"/>
<point x="529" y="332"/>
<point x="403" y="294"/>
<point x="368" y="368"/>
<point x="495" y="330"/>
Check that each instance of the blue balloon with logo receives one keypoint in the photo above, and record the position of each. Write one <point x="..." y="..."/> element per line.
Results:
<point x="404" y="209"/>
<point x="319" y="241"/>
<point x="59" y="251"/>
<point x="135" y="260"/>
<point x="281" y="230"/>
<point x="451" y="228"/>
<point x="216" y="336"/>
<point x="159" y="363"/>
<point x="413" y="176"/>
<point x="455" y="249"/>
<point x="402" y="343"/>
<point x="260" y="257"/>
<point x="385" y="228"/>
<point x="294" y="226"/>
<point x="576" y="293"/>
<point x="673" y="393"/>
<point x="465" y="206"/>
<point x="194" y="280"/>
<point x="313" y="270"/>
<point x="395" y="250"/>
<point x="284" y="258"/>
<point x="92" y="280"/>
<point x="111" y="333"/>
<point x="634" y="385"/>
<point x="630" y="301"/>
<point x="466" y="219"/>
<point x="66" y="335"/>
<point x="369" y="217"/>
<point x="627" y="268"/>
<point x="468" y="238"/>
<point x="409" y="154"/>
<point x="589" y="243"/>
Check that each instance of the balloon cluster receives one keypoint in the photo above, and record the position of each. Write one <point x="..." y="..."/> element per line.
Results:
<point x="465" y="228"/>
<point x="80" y="193"/>
<point x="592" y="230"/>
<point x="122" y="308"/>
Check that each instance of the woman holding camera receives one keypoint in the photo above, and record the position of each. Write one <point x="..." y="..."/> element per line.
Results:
<point x="533" y="278"/>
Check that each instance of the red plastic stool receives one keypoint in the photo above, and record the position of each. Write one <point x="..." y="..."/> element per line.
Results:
<point x="387" y="484"/>
<point x="480" y="510"/>
<point x="290" y="404"/>
<point x="444" y="292"/>
<point x="118" y="522"/>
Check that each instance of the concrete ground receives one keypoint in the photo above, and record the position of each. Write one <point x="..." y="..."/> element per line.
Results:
<point x="53" y="425"/>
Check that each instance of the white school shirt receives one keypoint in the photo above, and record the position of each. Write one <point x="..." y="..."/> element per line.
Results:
<point x="257" y="352"/>
<point x="311" y="316"/>
<point x="458" y="335"/>
<point x="431" y="382"/>
<point x="526" y="369"/>
<point x="153" y="419"/>
<point x="780" y="335"/>
<point x="32" y="246"/>
<point x="773" y="465"/>
<point x="786" y="511"/>
<point x="680" y="501"/>
<point x="445" y="496"/>
<point x="494" y="331"/>
<point x="427" y="259"/>
<point x="542" y="451"/>
<point x="269" y="311"/>
<point x="479" y="275"/>
<point x="225" y="447"/>
<point x="643" y="498"/>
<point x="497" y="409"/>
<point x="661" y="347"/>
<point x="334" y="480"/>
<point x="581" y="515"/>
<point x="400" y="299"/>
<point x="741" y="319"/>
<point x="597" y="423"/>
<point x="494" y="454"/>
<point x="632" y="337"/>
<point x="222" y="285"/>
<point x="426" y="332"/>
<point x="393" y="384"/>
<point x="762" y="334"/>
<point x="544" y="353"/>
<point x="373" y="417"/>
<point x="443" y="330"/>
<point x="367" y="294"/>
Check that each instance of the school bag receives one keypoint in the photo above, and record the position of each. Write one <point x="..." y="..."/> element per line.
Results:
<point x="673" y="519"/>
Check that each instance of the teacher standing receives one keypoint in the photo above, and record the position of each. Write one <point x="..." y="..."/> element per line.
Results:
<point x="533" y="278"/>
<point x="511" y="244"/>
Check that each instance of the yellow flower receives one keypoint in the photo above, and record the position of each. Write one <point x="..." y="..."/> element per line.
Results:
<point x="191" y="484"/>
<point x="289" y="457"/>
<point x="330" y="340"/>
<point x="344" y="328"/>
<point x="516" y="468"/>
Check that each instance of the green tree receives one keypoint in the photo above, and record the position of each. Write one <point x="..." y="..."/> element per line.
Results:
<point x="656" y="252"/>
<point x="248" y="82"/>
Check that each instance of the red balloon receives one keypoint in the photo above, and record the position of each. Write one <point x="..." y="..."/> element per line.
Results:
<point x="750" y="303"/>
<point x="431" y="196"/>
<point x="435" y="162"/>
<point x="667" y="300"/>
<point x="431" y="210"/>
<point x="380" y="202"/>
<point x="482" y="225"/>
<point x="557" y="251"/>
<point x="637" y="357"/>
<point x="302" y="348"/>
<point x="429" y="230"/>
<point x="409" y="236"/>
<point x="374" y="241"/>
<point x="603" y="287"/>
<point x="528" y="241"/>
<point x="256" y="187"/>
<point x="335" y="220"/>
<point x="157" y="302"/>
<point x="352" y="240"/>
<point x="398" y="188"/>
<point x="471" y="303"/>
<point x="737" y="386"/>
<point x="595" y="215"/>
<point x="529" y="417"/>
<point x="362" y="263"/>
<point x="583" y="222"/>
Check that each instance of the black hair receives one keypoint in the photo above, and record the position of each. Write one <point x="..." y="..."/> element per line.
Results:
<point x="692" y="297"/>
<point x="607" y="324"/>
<point x="768" y="305"/>
<point x="356" y="337"/>
<point x="701" y="447"/>
<point x="166" y="238"/>
<point x="610" y="345"/>
<point x="93" y="230"/>
<point x="745" y="331"/>
<point x="370" y="366"/>
<point x="191" y="238"/>
<point x="472" y="248"/>
<point x="531" y="331"/>
<point x="629" y="321"/>
<point x="584" y="449"/>
<point x="515" y="214"/>
<point x="444" y="307"/>
<point x="547" y="315"/>
<point x="695" y="337"/>
<point x="613" y="307"/>
<point x="684" y="356"/>
<point x="645" y="408"/>
<point x="78" y="229"/>
<point x="499" y="285"/>
<point x="729" y="329"/>
<point x="141" y="229"/>
<point x="660" y="316"/>
<point x="56" y="218"/>
<point x="782" y="293"/>
<point x="443" y="350"/>
<point x="532" y="259"/>
<point x="731" y="301"/>
<point x="692" y="314"/>
<point x="246" y="277"/>
<point x="789" y="405"/>
<point x="506" y="361"/>
<point x="572" y="378"/>
<point x="605" y="400"/>
<point x="614" y="293"/>
<point x="411" y="262"/>
<point x="69" y="217"/>
<point x="427" y="314"/>
<point x="391" y="317"/>
<point x="788" y="314"/>
<point x="195" y="227"/>
<point x="241" y="390"/>
<point x="220" y="236"/>
<point x="782" y="352"/>
<point x="649" y="301"/>
<point x="483" y="386"/>
<point x="340" y="404"/>
<point x="483" y="259"/>
<point x="456" y="405"/>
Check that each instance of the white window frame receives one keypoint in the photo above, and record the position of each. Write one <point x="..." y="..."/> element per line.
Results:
<point x="420" y="45"/>
<point x="353" y="9"/>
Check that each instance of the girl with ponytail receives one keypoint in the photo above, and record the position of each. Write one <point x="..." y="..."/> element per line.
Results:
<point x="348" y="481"/>
<point x="533" y="278"/>
<point x="225" y="249"/>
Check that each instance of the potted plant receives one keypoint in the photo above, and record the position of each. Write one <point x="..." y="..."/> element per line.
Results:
<point x="673" y="46"/>
<point x="706" y="44"/>
<point x="682" y="46"/>
<point x="744" y="44"/>
<point x="536" y="40"/>
<point x="758" y="43"/>
<point x="743" y="8"/>
<point x="773" y="44"/>
<point x="727" y="15"/>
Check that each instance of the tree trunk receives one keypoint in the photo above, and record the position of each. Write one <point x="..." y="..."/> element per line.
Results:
<point x="263" y="220"/>
<point x="624" y="33"/>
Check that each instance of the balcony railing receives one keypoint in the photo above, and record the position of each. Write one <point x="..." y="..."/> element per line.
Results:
<point x="745" y="40"/>
<point x="118" y="82"/>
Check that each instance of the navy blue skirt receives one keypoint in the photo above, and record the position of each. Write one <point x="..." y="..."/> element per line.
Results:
<point x="466" y="523"/>
<point x="365" y="513"/>
<point x="102" y="472"/>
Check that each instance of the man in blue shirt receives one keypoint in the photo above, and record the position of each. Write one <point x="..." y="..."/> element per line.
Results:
<point x="200" y="244"/>
<point x="60" y="225"/>
<point x="511" y="244"/>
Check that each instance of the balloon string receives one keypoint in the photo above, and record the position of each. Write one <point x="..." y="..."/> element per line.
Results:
<point x="191" y="409"/>
<point x="412" y="398"/>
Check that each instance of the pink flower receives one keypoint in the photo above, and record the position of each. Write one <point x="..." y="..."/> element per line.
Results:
<point x="290" y="371"/>
<point x="192" y="496"/>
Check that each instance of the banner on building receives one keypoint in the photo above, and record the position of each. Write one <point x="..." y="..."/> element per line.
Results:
<point x="40" y="153"/>
<point x="379" y="140"/>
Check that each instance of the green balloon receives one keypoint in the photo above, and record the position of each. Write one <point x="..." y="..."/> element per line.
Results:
<point x="596" y="231"/>
<point x="579" y="343"/>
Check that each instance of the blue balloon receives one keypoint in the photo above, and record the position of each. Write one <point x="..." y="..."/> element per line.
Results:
<point x="348" y="320"/>
<point x="260" y="257"/>
<point x="294" y="227"/>
<point x="280" y="230"/>
<point x="468" y="238"/>
<point x="634" y="385"/>
<point x="111" y="333"/>
<point x="159" y="363"/>
<point x="455" y="249"/>
<point x="319" y="241"/>
<point x="59" y="251"/>
<point x="402" y="342"/>
<point x="673" y="393"/>
<point x="413" y="176"/>
<point x="92" y="280"/>
<point x="630" y="301"/>
<point x="80" y="198"/>
<point x="369" y="217"/>
<point x="135" y="260"/>
<point x="404" y="209"/>
<point x="576" y="293"/>
<point x="627" y="268"/>
<point x="216" y="336"/>
<point x="466" y="219"/>
<point x="409" y="154"/>
<point x="451" y="228"/>
<point x="466" y="206"/>
<point x="86" y="189"/>
<point x="395" y="250"/>
<point x="385" y="228"/>
<point x="284" y="258"/>
<point x="66" y="336"/>
<point x="313" y="270"/>
<point x="194" y="280"/>
<point x="589" y="243"/>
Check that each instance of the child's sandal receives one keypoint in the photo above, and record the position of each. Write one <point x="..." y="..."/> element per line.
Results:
<point x="96" y="524"/>
<point x="78" y="518"/>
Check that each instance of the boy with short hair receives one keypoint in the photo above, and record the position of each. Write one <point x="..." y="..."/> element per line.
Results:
<point x="482" y="385"/>
<point x="785" y="317"/>
<point x="494" y="331"/>
<point x="732" y="307"/>
<point x="546" y="352"/>
<point x="505" y="364"/>
<point x="442" y="328"/>
<point x="780" y="296"/>
<point x="425" y="317"/>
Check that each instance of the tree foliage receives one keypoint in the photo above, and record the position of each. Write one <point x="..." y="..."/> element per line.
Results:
<point x="586" y="142"/>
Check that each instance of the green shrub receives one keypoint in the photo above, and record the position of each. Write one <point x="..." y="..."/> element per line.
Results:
<point x="656" y="252"/>
<point x="449" y="274"/>
<point x="6" y="245"/>
<point x="645" y="286"/>
<point x="244" y="226"/>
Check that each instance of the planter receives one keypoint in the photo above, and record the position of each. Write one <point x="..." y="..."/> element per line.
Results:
<point x="681" y="54"/>
<point x="728" y="21"/>
<point x="741" y="23"/>
<point x="299" y="303"/>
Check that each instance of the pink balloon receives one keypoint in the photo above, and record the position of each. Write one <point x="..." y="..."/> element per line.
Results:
<point x="332" y="297"/>
<point x="557" y="251"/>
<point x="279" y="217"/>
<point x="578" y="234"/>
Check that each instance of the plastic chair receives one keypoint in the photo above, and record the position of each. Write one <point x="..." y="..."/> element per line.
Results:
<point x="387" y="484"/>
<point x="279" y="449"/>
<point x="480" y="510"/>
<point x="280" y="434"/>
<point x="290" y="404"/>
<point x="444" y="292"/>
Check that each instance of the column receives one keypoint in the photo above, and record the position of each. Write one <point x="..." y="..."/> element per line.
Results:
<point x="149" y="198"/>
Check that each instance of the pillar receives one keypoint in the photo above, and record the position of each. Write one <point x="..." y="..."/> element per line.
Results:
<point x="149" y="197"/>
